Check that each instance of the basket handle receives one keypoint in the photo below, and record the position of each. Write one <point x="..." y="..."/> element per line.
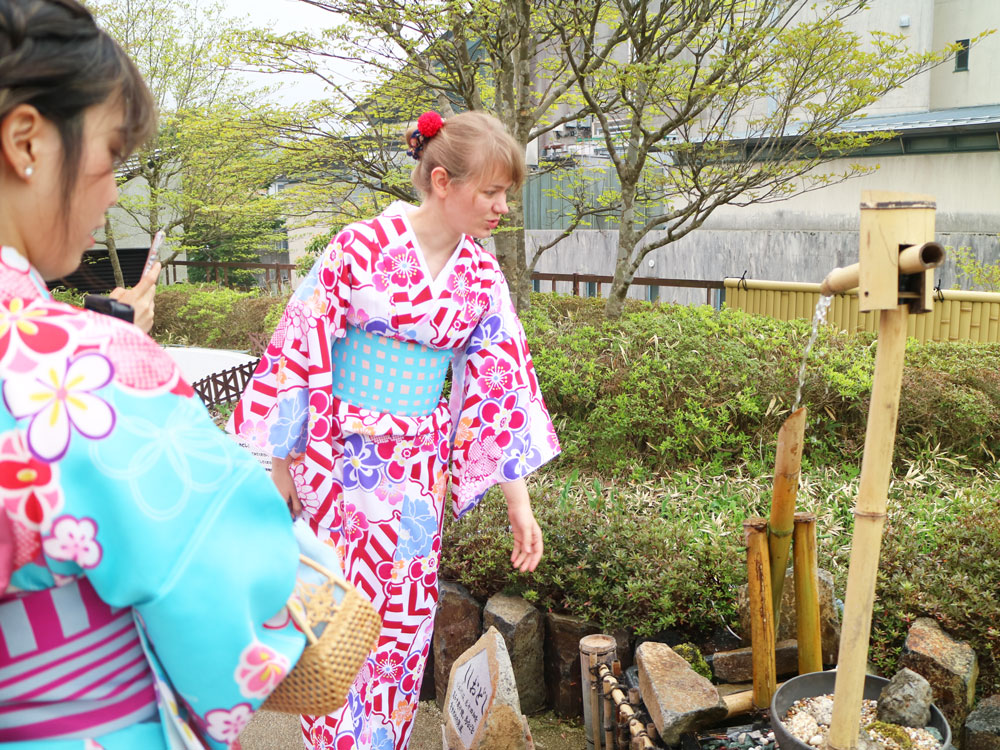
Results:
<point x="293" y="612"/>
<point x="315" y="566"/>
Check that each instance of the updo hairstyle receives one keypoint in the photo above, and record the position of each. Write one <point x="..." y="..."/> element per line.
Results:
<point x="471" y="147"/>
<point x="54" y="57"/>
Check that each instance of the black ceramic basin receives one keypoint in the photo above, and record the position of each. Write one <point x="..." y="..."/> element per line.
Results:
<point x="821" y="683"/>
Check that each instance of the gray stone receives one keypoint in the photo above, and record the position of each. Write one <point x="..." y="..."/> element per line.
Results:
<point x="821" y="709"/>
<point x="523" y="630"/>
<point x="482" y="711"/>
<point x="982" y="728"/>
<point x="949" y="665"/>
<point x="906" y="700"/>
<point x="677" y="698"/>
<point x="737" y="665"/>
<point x="991" y="700"/>
<point x="829" y="614"/>
<point x="562" y="662"/>
<point x="457" y="626"/>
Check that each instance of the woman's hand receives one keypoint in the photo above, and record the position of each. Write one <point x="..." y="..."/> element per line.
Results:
<point x="527" y="533"/>
<point x="140" y="297"/>
<point x="281" y="475"/>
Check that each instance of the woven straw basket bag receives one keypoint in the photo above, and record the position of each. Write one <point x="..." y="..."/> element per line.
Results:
<point x="348" y="628"/>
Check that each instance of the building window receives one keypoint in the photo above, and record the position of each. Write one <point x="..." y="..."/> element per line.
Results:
<point x="591" y="289"/>
<point x="652" y="293"/>
<point x="536" y="285"/>
<point x="962" y="56"/>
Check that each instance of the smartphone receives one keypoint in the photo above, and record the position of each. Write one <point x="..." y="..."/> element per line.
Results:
<point x="154" y="251"/>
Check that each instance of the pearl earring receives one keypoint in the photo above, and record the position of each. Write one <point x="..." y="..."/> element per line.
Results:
<point x="28" y="171"/>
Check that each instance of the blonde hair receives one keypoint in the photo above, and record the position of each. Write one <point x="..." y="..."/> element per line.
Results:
<point x="470" y="146"/>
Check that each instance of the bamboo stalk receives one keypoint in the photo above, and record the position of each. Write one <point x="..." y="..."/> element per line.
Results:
<point x="787" y="464"/>
<point x="808" y="632"/>
<point x="597" y="649"/>
<point x="741" y="702"/>
<point x="761" y="617"/>
<point x="609" y="720"/>
<point x="615" y="696"/>
<point x="869" y="520"/>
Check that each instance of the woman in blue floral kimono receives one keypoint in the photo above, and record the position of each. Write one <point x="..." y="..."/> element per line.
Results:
<point x="348" y="399"/>
<point x="145" y="560"/>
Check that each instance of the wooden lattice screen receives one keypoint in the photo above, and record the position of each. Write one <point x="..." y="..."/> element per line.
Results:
<point x="226" y="386"/>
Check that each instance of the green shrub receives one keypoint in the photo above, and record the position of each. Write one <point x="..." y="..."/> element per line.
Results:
<point x="669" y="553"/>
<point x="669" y="386"/>
<point x="213" y="316"/>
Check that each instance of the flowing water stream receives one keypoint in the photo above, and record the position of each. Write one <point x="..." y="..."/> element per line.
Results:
<point x="819" y="317"/>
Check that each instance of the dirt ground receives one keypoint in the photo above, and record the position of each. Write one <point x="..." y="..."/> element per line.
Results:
<point x="273" y="731"/>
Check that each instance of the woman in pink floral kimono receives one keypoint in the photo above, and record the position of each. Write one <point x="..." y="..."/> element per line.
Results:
<point x="348" y="399"/>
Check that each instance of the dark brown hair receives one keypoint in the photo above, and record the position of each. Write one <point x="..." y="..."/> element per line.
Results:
<point x="54" y="57"/>
<point x="470" y="146"/>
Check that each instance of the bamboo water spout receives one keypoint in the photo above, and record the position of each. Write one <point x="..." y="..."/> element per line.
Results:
<point x="787" y="463"/>
<point x="912" y="260"/>
<point x="892" y="225"/>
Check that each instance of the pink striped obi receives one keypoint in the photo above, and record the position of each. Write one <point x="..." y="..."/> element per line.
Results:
<point x="70" y="666"/>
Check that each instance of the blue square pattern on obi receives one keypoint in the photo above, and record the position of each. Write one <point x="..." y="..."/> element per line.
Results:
<point x="364" y="379"/>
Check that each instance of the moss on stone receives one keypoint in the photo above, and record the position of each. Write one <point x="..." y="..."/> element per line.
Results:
<point x="690" y="653"/>
<point x="892" y="732"/>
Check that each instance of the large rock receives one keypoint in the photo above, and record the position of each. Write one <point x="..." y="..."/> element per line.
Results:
<point x="562" y="662"/>
<point x="457" y="626"/>
<point x="677" y="698"/>
<point x="906" y="700"/>
<point x="982" y="728"/>
<point x="829" y="614"/>
<point x="949" y="665"/>
<point x="737" y="665"/>
<point x="523" y="630"/>
<point x="482" y="711"/>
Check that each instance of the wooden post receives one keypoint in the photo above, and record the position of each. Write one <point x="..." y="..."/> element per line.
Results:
<point x="809" y="635"/>
<point x="761" y="617"/>
<point x="869" y="518"/>
<point x="787" y="463"/>
<point x="595" y="650"/>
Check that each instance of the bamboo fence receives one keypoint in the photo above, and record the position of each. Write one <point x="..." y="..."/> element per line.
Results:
<point x="957" y="315"/>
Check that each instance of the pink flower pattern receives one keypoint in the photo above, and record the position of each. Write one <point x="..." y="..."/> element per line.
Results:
<point x="260" y="670"/>
<point x="74" y="540"/>
<point x="225" y="726"/>
<point x="496" y="377"/>
<point x="398" y="266"/>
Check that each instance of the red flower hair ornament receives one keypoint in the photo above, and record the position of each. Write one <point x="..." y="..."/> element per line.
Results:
<point x="429" y="124"/>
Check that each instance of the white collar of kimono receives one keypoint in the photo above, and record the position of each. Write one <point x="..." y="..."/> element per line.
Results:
<point x="445" y="272"/>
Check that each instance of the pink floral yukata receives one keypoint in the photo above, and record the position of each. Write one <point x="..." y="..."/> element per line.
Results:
<point x="373" y="484"/>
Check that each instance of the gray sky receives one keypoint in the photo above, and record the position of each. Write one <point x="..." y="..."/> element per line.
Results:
<point x="286" y="15"/>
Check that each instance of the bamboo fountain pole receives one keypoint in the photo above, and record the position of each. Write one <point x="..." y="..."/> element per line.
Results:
<point x="869" y="518"/>
<point x="808" y="632"/>
<point x="891" y="225"/>
<point x="787" y="463"/>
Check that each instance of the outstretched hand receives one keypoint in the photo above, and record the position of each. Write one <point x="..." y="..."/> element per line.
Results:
<point x="140" y="297"/>
<point x="528" y="546"/>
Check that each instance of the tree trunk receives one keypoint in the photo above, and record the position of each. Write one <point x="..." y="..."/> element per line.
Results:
<point x="511" y="253"/>
<point x="628" y="238"/>
<point x="109" y="240"/>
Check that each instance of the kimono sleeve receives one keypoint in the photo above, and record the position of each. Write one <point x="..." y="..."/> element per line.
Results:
<point x="140" y="492"/>
<point x="294" y="375"/>
<point x="502" y="430"/>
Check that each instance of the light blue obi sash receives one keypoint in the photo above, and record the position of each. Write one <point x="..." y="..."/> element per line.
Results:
<point x="388" y="375"/>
